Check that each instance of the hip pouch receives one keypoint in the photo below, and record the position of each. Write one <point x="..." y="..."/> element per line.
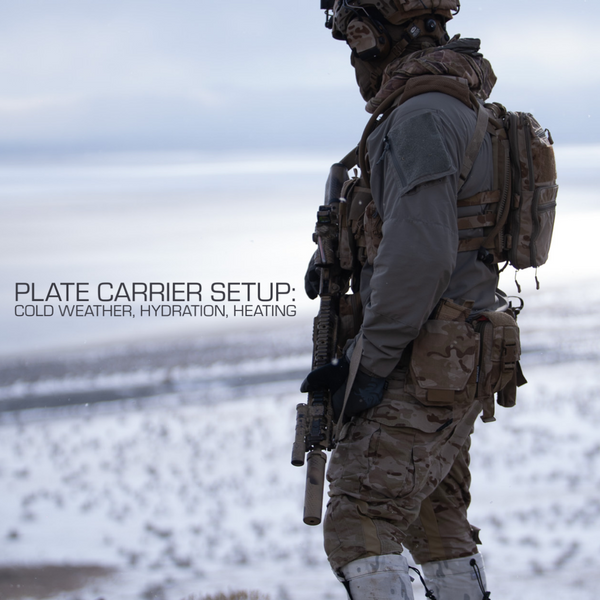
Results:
<point x="444" y="358"/>
<point x="499" y="368"/>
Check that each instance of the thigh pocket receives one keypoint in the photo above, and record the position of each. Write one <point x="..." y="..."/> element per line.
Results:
<point x="350" y="461"/>
<point x="391" y="467"/>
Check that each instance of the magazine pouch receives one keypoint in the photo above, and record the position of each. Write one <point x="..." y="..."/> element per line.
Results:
<point x="373" y="231"/>
<point x="352" y="249"/>
<point x="444" y="358"/>
<point x="350" y="319"/>
<point x="499" y="368"/>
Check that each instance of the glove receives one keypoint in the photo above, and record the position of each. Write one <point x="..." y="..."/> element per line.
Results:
<point x="330" y="377"/>
<point x="312" y="279"/>
<point x="366" y="392"/>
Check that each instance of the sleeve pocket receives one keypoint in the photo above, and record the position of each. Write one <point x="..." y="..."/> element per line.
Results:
<point x="418" y="151"/>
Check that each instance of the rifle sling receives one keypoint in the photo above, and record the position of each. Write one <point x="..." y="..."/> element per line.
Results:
<point x="354" y="364"/>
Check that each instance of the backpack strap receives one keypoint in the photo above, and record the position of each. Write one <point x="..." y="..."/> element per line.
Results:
<point x="476" y="140"/>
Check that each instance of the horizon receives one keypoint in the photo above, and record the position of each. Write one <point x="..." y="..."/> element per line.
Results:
<point x="132" y="76"/>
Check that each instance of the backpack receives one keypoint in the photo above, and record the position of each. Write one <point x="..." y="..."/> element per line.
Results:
<point x="521" y="211"/>
<point x="516" y="227"/>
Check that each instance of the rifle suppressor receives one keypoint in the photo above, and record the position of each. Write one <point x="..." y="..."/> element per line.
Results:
<point x="315" y="479"/>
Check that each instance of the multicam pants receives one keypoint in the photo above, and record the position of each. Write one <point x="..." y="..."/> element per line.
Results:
<point x="399" y="477"/>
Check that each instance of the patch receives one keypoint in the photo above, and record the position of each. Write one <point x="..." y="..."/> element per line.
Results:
<point x="418" y="151"/>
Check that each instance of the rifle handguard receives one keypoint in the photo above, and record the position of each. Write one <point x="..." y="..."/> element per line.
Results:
<point x="299" y="446"/>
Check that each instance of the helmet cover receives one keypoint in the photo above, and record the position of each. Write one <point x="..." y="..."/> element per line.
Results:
<point x="395" y="12"/>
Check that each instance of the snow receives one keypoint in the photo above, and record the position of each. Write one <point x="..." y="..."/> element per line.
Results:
<point x="192" y="492"/>
<point x="182" y="491"/>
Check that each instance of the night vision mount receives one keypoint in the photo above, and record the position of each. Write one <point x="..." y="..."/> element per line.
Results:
<point x="327" y="5"/>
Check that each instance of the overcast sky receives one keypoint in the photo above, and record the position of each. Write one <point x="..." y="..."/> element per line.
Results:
<point x="254" y="76"/>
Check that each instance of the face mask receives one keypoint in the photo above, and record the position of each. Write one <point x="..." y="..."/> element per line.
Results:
<point x="368" y="76"/>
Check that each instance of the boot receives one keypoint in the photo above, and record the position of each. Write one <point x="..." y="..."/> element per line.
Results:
<point x="378" y="578"/>
<point x="457" y="579"/>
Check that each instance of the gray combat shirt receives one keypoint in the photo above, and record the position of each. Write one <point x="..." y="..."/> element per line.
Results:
<point x="416" y="157"/>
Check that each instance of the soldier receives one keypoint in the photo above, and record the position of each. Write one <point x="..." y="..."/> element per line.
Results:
<point x="399" y="476"/>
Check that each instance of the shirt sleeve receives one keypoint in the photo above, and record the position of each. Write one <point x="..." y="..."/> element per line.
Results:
<point x="414" y="178"/>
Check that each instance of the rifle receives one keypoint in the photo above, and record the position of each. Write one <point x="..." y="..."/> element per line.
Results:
<point x="314" y="420"/>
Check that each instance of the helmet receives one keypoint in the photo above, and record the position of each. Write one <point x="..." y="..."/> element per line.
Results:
<point x="362" y="23"/>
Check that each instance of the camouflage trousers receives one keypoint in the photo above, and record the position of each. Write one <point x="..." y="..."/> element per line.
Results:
<point x="399" y="477"/>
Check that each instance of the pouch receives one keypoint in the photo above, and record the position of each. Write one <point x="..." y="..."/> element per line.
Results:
<point x="352" y="229"/>
<point x="443" y="364"/>
<point x="350" y="319"/>
<point x="499" y="368"/>
<point x="373" y="234"/>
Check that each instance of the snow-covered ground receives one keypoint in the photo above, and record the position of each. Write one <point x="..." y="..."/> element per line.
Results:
<point x="190" y="490"/>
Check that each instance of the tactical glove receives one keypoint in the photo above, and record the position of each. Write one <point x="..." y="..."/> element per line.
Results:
<point x="312" y="279"/>
<point x="330" y="377"/>
<point x="366" y="392"/>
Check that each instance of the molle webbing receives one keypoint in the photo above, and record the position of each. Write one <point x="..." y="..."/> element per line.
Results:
<point x="481" y="198"/>
<point x="487" y="219"/>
